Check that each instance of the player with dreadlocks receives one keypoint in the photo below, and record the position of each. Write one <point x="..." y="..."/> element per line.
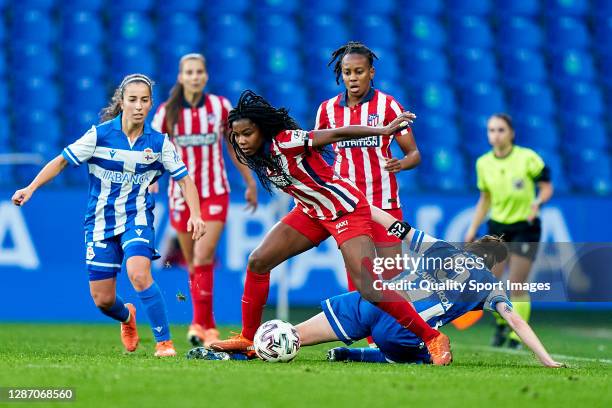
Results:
<point x="270" y="142"/>
<point x="368" y="161"/>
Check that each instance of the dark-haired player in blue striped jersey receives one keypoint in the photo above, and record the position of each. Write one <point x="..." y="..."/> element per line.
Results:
<point x="444" y="283"/>
<point x="124" y="156"/>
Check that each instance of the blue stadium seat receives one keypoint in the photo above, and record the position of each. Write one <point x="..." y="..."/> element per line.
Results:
<point x="517" y="7"/>
<point x="536" y="132"/>
<point x="474" y="136"/>
<point x="470" y="32"/>
<point x="85" y="93"/>
<point x="413" y="8"/>
<point x="532" y="98"/>
<point x="122" y="6"/>
<point x="430" y="99"/>
<point x="163" y="7"/>
<point x="168" y="59"/>
<point x="229" y="30"/>
<point x="426" y="65"/>
<point x="482" y="98"/>
<point x="131" y="28"/>
<point x="584" y="131"/>
<point x="388" y="66"/>
<point x="82" y="27"/>
<point x="32" y="26"/>
<point x="84" y="5"/>
<point x="442" y="169"/>
<point x="590" y="171"/>
<point x="75" y="125"/>
<point x="601" y="7"/>
<point x="2" y="31"/>
<point x="215" y="8"/>
<point x="290" y="95"/>
<point x="468" y="7"/>
<point x="519" y="32"/>
<point x="325" y="30"/>
<point x="566" y="32"/>
<point x="521" y="66"/>
<point x="233" y="88"/>
<point x="572" y="65"/>
<point x="5" y="129"/>
<point x="605" y="65"/>
<point x="82" y="59"/>
<point x="39" y="132"/>
<point x="286" y="7"/>
<point x="4" y="96"/>
<point x="279" y="64"/>
<point x="316" y="64"/>
<point x="581" y="98"/>
<point x="433" y="131"/>
<point x="314" y="7"/>
<point x="392" y="88"/>
<point x="42" y="5"/>
<point x="179" y="28"/>
<point x="230" y="63"/>
<point x="33" y="60"/>
<point x="324" y="90"/>
<point x="566" y="7"/>
<point x="374" y="31"/>
<point x="276" y="30"/>
<point x="554" y="162"/>
<point x="131" y="59"/>
<point x="407" y="181"/>
<point x="603" y="33"/>
<point x="36" y="86"/>
<point x="473" y="65"/>
<point x="422" y="31"/>
<point x="378" y="7"/>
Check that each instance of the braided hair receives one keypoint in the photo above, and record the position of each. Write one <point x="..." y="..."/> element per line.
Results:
<point x="270" y="121"/>
<point x="352" y="47"/>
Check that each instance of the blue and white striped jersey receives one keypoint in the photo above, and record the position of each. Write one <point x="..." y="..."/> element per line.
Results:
<point x="119" y="174"/>
<point x="445" y="287"/>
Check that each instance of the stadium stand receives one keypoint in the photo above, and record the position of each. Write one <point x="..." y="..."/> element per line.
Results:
<point x="547" y="63"/>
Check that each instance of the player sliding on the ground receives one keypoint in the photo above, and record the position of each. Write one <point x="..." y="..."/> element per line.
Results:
<point x="349" y="317"/>
<point x="270" y="142"/>
<point x="124" y="156"/>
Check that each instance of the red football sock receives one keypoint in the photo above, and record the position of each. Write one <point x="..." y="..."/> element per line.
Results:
<point x="201" y="287"/>
<point x="398" y="307"/>
<point x="256" y="288"/>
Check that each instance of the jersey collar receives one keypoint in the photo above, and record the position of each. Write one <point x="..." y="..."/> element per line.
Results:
<point x="201" y="102"/>
<point x="367" y="98"/>
<point x="117" y="125"/>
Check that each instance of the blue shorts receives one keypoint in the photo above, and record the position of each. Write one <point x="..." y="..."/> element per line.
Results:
<point x="104" y="259"/>
<point x="353" y="318"/>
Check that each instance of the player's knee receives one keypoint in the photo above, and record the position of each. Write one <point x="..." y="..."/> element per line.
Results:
<point x="140" y="279"/>
<point x="258" y="262"/>
<point x="205" y="257"/>
<point x="103" y="300"/>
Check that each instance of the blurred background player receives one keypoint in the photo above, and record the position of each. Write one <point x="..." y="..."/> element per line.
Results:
<point x="196" y="123"/>
<point x="368" y="161"/>
<point x="350" y="318"/>
<point x="282" y="155"/>
<point x="507" y="179"/>
<point x="124" y="157"/>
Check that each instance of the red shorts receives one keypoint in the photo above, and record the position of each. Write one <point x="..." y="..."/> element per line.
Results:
<point x="379" y="233"/>
<point x="349" y="226"/>
<point x="213" y="208"/>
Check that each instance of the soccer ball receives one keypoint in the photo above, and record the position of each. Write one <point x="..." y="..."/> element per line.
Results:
<point x="276" y="341"/>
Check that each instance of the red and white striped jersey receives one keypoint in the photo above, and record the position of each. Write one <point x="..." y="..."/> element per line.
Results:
<point x="307" y="177"/>
<point x="198" y="137"/>
<point x="363" y="160"/>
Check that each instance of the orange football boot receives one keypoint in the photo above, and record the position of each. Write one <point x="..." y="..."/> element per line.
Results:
<point x="235" y="344"/>
<point x="440" y="350"/>
<point x="165" y="349"/>
<point x="129" y="332"/>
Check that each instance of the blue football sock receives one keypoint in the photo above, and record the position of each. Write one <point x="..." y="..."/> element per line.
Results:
<point x="117" y="311"/>
<point x="155" y="307"/>
<point x="366" y="355"/>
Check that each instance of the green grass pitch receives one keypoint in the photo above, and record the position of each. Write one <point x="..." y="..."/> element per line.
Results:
<point x="90" y="359"/>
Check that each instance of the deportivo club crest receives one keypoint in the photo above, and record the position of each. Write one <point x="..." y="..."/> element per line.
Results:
<point x="148" y="154"/>
<point x="373" y="119"/>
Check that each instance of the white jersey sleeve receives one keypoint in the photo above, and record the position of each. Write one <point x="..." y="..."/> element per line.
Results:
<point x="171" y="161"/>
<point x="421" y="242"/>
<point x="82" y="149"/>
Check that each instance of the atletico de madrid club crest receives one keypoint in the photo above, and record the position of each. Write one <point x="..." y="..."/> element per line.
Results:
<point x="373" y="119"/>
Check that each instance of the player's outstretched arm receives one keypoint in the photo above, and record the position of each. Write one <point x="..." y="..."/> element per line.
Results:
<point x="524" y="331"/>
<point x="48" y="173"/>
<point x="195" y="223"/>
<point x="325" y="137"/>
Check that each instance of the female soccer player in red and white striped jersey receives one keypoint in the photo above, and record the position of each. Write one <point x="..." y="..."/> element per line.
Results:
<point x="197" y="122"/>
<point x="269" y="141"/>
<point x="368" y="161"/>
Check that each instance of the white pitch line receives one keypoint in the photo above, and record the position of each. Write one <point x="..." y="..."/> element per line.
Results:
<point x="525" y="352"/>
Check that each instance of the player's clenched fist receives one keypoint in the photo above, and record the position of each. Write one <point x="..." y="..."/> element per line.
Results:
<point x="22" y="196"/>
